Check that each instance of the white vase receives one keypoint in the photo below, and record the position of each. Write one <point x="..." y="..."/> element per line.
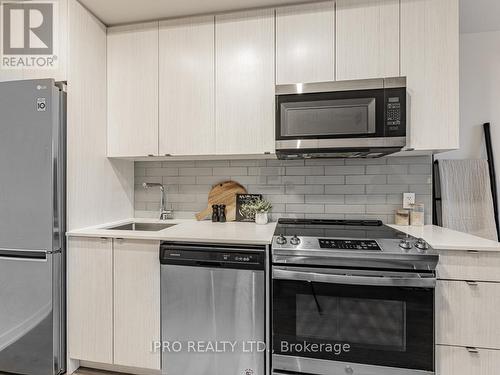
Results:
<point x="261" y="218"/>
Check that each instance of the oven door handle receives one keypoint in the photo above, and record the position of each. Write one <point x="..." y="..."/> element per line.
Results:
<point x="417" y="281"/>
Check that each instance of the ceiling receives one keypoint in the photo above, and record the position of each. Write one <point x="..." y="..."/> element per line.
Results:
<point x="479" y="16"/>
<point x="113" y="12"/>
<point x="475" y="15"/>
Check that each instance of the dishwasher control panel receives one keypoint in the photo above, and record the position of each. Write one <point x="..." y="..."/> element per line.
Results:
<point x="212" y="257"/>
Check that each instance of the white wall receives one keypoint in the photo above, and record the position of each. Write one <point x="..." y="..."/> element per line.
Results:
<point x="479" y="96"/>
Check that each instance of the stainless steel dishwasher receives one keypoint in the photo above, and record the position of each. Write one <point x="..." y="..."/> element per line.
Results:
<point x="212" y="309"/>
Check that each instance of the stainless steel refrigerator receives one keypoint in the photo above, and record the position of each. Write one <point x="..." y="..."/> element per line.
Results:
<point x="32" y="227"/>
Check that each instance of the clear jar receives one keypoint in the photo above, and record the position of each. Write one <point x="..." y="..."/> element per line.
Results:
<point x="417" y="216"/>
<point x="402" y="217"/>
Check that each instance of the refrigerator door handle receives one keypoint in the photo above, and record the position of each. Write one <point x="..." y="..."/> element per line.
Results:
<point x="56" y="171"/>
<point x="24" y="255"/>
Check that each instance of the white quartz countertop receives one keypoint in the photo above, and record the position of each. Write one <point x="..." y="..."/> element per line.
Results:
<point x="187" y="231"/>
<point x="448" y="239"/>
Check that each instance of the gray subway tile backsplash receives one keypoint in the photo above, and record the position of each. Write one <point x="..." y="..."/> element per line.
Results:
<point x="377" y="179"/>
<point x="315" y="188"/>
<point x="344" y="170"/>
<point x="386" y="169"/>
<point x="305" y="171"/>
<point x="407" y="179"/>
<point x="325" y="199"/>
<point x="230" y="171"/>
<point x="345" y="189"/>
<point x="306" y="208"/>
<point x="196" y="171"/>
<point x="325" y="180"/>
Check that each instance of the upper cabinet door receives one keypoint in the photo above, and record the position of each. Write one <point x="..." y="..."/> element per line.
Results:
<point x="187" y="97"/>
<point x="430" y="61"/>
<point x="133" y="90"/>
<point x="367" y="34"/>
<point x="305" y="42"/>
<point x="244" y="48"/>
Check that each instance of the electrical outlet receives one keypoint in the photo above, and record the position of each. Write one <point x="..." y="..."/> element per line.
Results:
<point x="408" y="200"/>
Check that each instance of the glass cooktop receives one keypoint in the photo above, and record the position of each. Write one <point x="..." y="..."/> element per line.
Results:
<point x="365" y="229"/>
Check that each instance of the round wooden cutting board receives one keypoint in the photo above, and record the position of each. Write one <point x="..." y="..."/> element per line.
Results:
<point x="223" y="193"/>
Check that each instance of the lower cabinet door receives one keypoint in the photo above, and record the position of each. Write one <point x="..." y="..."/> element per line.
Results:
<point x="467" y="314"/>
<point x="456" y="360"/>
<point x="136" y="303"/>
<point x="90" y="299"/>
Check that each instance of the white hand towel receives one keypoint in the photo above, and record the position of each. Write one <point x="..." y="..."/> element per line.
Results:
<point x="467" y="203"/>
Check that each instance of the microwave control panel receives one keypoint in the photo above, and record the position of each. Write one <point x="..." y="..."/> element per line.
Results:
<point x="395" y="113"/>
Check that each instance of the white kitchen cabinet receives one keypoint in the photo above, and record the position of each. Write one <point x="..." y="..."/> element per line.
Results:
<point x="244" y="83"/>
<point x="305" y="42"/>
<point x="90" y="299"/>
<point x="469" y="265"/>
<point x="430" y="60"/>
<point x="451" y="360"/>
<point x="114" y="301"/>
<point x="367" y="39"/>
<point x="186" y="84"/>
<point x="133" y="90"/>
<point x="136" y="303"/>
<point x="466" y="314"/>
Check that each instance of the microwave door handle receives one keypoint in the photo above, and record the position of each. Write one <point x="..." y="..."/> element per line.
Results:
<point x="319" y="277"/>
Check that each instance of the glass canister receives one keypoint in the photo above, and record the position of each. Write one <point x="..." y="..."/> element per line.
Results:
<point x="417" y="216"/>
<point x="402" y="217"/>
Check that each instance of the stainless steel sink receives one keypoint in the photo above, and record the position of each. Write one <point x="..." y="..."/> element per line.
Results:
<point x="150" y="227"/>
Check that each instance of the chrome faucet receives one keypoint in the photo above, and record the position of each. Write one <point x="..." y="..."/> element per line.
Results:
<point x="164" y="213"/>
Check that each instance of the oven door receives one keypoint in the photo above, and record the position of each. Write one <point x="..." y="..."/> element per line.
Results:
<point x="361" y="322"/>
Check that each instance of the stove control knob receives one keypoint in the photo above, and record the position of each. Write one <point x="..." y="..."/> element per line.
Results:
<point x="281" y="240"/>
<point x="295" y="240"/>
<point x="421" y="244"/>
<point x="405" y="244"/>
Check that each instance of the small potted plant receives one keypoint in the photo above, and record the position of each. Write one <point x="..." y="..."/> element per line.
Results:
<point x="258" y="208"/>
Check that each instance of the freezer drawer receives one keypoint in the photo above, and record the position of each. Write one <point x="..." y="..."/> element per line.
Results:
<point x="30" y="308"/>
<point x="212" y="305"/>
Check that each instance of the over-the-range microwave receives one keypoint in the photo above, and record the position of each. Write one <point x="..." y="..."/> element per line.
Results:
<point x="360" y="118"/>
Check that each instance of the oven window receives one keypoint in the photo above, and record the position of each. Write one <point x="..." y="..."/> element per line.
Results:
<point x="389" y="326"/>
<point x="328" y="117"/>
<point x="369" y="323"/>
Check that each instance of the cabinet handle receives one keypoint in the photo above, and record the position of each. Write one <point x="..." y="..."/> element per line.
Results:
<point x="472" y="350"/>
<point x="471" y="283"/>
<point x="472" y="251"/>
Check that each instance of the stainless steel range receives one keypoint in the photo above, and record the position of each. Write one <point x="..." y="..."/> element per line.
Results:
<point x="351" y="297"/>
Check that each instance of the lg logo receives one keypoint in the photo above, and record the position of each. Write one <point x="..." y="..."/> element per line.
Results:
<point x="28" y="33"/>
